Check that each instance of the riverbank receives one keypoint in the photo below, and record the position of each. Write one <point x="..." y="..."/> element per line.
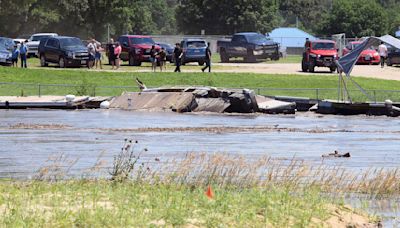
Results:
<point x="106" y="203"/>
<point x="55" y="81"/>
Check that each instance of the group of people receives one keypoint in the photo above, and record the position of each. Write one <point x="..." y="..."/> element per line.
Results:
<point x="114" y="54"/>
<point x="178" y="54"/>
<point x="21" y="53"/>
<point x="94" y="50"/>
<point x="157" y="57"/>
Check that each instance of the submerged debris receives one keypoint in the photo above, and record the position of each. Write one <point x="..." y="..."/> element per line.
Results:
<point x="336" y="154"/>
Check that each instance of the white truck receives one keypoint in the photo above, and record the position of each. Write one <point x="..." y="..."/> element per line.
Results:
<point x="33" y="43"/>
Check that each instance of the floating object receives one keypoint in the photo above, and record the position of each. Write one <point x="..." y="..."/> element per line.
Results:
<point x="349" y="108"/>
<point x="336" y="154"/>
<point x="70" y="98"/>
<point x="105" y="105"/>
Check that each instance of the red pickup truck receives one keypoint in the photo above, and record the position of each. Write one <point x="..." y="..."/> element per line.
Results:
<point x="136" y="48"/>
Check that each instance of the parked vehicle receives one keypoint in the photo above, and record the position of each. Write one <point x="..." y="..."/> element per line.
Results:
<point x="6" y="47"/>
<point x="136" y="49"/>
<point x="18" y="41"/>
<point x="194" y="50"/>
<point x="393" y="57"/>
<point x="368" y="56"/>
<point x="169" y="49"/>
<point x="64" y="50"/>
<point x="33" y="43"/>
<point x="251" y="46"/>
<point x="319" y="53"/>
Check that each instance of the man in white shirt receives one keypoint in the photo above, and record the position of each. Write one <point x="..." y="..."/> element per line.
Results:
<point x="383" y="53"/>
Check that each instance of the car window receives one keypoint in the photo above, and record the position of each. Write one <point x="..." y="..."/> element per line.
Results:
<point x="37" y="38"/>
<point x="257" y="38"/>
<point x="196" y="44"/>
<point x="323" y="46"/>
<point x="6" y="42"/>
<point x="239" y="38"/>
<point x="142" y="40"/>
<point x="51" y="43"/>
<point x="71" y="43"/>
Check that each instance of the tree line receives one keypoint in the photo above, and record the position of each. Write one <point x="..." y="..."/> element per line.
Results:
<point x="94" y="18"/>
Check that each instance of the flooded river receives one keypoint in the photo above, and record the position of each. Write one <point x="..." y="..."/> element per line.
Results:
<point x="29" y="137"/>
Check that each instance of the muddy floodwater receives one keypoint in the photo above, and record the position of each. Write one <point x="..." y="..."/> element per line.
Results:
<point x="29" y="137"/>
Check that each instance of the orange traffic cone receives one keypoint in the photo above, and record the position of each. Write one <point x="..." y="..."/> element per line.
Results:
<point x="209" y="192"/>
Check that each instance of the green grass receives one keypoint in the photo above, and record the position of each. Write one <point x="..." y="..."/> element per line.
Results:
<point x="104" y="203"/>
<point x="86" y="81"/>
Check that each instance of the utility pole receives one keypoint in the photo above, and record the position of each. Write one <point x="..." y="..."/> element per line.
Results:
<point x="108" y="32"/>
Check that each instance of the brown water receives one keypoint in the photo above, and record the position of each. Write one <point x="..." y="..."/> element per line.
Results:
<point x="29" y="137"/>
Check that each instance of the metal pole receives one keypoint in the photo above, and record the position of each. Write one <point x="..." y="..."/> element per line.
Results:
<point x="39" y="87"/>
<point x="317" y="93"/>
<point x="340" y="82"/>
<point x="108" y="32"/>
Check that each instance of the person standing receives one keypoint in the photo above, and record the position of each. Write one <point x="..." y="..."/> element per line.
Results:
<point x="117" y="53"/>
<point x="208" y="59"/>
<point x="383" y="51"/>
<point x="178" y="53"/>
<point x="111" y="55"/>
<point x="14" y="57"/>
<point x="22" y="54"/>
<point x="97" y="57"/>
<point x="162" y="58"/>
<point x="153" y="58"/>
<point x="92" y="52"/>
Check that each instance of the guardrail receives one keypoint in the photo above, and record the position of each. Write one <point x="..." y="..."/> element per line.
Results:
<point x="37" y="89"/>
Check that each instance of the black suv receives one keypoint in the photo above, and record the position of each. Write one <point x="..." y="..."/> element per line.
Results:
<point x="64" y="50"/>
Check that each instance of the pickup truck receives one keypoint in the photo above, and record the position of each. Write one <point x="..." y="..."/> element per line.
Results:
<point x="33" y="43"/>
<point x="136" y="48"/>
<point x="249" y="45"/>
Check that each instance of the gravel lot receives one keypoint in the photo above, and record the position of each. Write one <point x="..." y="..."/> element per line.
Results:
<point x="371" y="71"/>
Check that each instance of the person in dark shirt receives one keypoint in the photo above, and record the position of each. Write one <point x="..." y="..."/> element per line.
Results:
<point x="208" y="59"/>
<point x="153" y="58"/>
<point x="162" y="58"/>
<point x="111" y="55"/>
<point x="178" y="57"/>
<point x="22" y="54"/>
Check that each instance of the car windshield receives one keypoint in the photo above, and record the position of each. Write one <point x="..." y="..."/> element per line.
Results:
<point x="257" y="38"/>
<point x="6" y="42"/>
<point x="323" y="46"/>
<point x="142" y="40"/>
<point x="196" y="44"/>
<point x="38" y="38"/>
<point x="166" y="46"/>
<point x="71" y="42"/>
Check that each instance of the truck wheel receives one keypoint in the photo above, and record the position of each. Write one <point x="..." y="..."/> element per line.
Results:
<point x="61" y="62"/>
<point x="43" y="62"/>
<point x="333" y="69"/>
<point x="131" y="60"/>
<point x="388" y="63"/>
<point x="201" y="63"/>
<point x="250" y="58"/>
<point x="224" y="56"/>
<point x="304" y="67"/>
<point x="311" y="67"/>
<point x="275" y="57"/>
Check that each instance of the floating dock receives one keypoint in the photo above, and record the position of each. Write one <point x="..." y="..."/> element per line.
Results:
<point x="50" y="102"/>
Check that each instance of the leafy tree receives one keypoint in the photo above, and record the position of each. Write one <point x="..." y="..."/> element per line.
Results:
<point x="355" y="18"/>
<point x="226" y="16"/>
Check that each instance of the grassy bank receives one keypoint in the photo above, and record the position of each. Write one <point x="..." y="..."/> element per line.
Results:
<point x="110" y="204"/>
<point x="93" y="82"/>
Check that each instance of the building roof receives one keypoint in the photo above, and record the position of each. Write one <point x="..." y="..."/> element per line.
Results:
<point x="290" y="37"/>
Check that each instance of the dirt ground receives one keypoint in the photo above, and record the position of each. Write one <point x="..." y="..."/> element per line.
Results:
<point x="371" y="71"/>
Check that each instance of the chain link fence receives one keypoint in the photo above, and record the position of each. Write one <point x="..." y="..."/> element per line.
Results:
<point x="31" y="89"/>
